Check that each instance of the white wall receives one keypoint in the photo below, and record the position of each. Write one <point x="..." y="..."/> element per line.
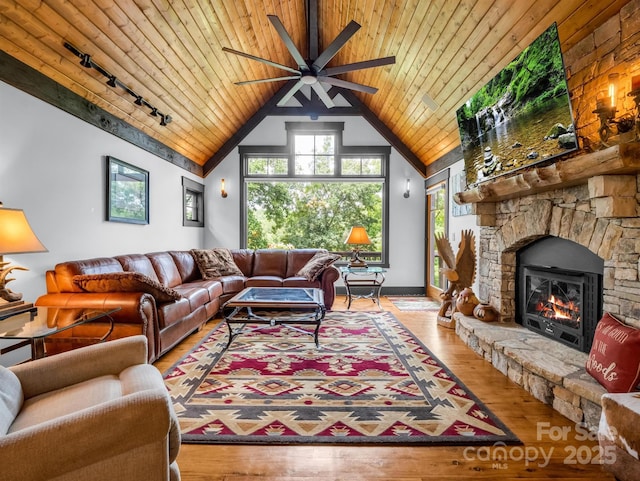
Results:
<point x="406" y="216"/>
<point x="52" y="166"/>
<point x="460" y="223"/>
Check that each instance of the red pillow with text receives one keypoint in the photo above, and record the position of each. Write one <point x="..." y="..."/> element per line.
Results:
<point x="614" y="360"/>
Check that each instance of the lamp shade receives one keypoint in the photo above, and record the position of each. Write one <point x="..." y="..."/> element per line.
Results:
<point x="358" y="235"/>
<point x="16" y="235"/>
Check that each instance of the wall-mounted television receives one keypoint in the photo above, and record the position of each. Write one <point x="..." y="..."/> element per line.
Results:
<point x="520" y="117"/>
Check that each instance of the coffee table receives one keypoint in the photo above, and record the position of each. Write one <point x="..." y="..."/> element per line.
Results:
<point x="33" y="326"/>
<point x="277" y="306"/>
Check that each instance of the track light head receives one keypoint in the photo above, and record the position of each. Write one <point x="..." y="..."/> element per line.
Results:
<point x="138" y="100"/>
<point x="154" y="112"/>
<point x="112" y="82"/>
<point x="86" y="60"/>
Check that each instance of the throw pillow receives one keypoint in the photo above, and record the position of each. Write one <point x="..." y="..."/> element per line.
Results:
<point x="126" y="282"/>
<point x="11" y="398"/>
<point x="614" y="360"/>
<point x="215" y="262"/>
<point x="317" y="264"/>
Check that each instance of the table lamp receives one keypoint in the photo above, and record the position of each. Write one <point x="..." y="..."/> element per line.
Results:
<point x="16" y="237"/>
<point x="357" y="236"/>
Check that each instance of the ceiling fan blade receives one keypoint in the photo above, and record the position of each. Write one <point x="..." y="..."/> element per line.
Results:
<point x="258" y="59"/>
<point x="289" y="94"/>
<point x="336" y="45"/>
<point x="265" y="80"/>
<point x="348" y="85"/>
<point x="288" y="42"/>
<point x="350" y="67"/>
<point x="322" y="93"/>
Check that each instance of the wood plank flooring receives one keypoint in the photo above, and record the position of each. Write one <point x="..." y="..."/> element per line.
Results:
<point x="554" y="447"/>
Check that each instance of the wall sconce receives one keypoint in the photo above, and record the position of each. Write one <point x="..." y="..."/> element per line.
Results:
<point x="606" y="110"/>
<point x="407" y="189"/>
<point x="223" y="192"/>
<point x="112" y="81"/>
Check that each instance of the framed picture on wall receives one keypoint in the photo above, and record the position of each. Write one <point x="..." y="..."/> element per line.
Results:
<point x="458" y="184"/>
<point x="127" y="192"/>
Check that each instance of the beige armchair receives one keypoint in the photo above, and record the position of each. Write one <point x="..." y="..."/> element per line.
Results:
<point x="95" y="413"/>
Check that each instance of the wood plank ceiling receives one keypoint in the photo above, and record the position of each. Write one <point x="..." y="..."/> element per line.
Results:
<point x="170" y="52"/>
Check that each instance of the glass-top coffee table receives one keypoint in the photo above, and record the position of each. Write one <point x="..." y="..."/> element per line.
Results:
<point x="276" y="306"/>
<point x="33" y="326"/>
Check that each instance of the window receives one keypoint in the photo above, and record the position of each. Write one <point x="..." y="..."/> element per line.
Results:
<point x="310" y="192"/>
<point x="193" y="203"/>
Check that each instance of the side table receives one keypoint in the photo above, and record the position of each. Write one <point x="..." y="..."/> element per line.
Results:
<point x="33" y="326"/>
<point x="363" y="277"/>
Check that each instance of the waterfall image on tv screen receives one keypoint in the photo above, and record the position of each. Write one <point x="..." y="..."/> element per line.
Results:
<point x="520" y="117"/>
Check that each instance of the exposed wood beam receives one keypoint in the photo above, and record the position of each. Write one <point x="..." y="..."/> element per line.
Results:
<point x="447" y="160"/>
<point x="29" y="80"/>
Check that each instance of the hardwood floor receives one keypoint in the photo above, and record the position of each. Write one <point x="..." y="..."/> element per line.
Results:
<point x="554" y="447"/>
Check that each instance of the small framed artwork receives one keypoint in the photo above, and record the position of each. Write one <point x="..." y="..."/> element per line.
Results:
<point x="459" y="184"/>
<point x="127" y="192"/>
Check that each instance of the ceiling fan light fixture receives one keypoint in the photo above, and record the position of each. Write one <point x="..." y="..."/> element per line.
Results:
<point x="309" y="79"/>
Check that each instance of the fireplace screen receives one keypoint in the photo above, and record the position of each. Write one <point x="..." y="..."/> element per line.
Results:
<point x="558" y="300"/>
<point x="556" y="303"/>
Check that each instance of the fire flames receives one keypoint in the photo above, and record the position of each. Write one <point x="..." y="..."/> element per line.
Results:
<point x="556" y="308"/>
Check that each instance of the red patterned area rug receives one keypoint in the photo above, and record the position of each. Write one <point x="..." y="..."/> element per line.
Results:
<point x="370" y="382"/>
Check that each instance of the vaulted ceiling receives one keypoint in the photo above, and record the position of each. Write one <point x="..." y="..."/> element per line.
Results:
<point x="170" y="52"/>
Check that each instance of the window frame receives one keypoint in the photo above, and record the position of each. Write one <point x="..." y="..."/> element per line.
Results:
<point x="196" y="189"/>
<point x="341" y="151"/>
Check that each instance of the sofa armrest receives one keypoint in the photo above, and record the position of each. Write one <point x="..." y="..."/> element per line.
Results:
<point x="91" y="436"/>
<point x="327" y="282"/>
<point x="137" y="310"/>
<point x="71" y="367"/>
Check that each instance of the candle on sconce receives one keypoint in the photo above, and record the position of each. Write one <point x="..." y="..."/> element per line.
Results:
<point x="613" y="80"/>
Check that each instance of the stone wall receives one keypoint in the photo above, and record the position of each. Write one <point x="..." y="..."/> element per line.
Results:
<point x="614" y="47"/>
<point x="597" y="215"/>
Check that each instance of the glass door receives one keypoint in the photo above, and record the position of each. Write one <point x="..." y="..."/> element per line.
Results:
<point x="436" y="224"/>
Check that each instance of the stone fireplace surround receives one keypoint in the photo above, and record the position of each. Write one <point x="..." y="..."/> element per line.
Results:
<point x="590" y="199"/>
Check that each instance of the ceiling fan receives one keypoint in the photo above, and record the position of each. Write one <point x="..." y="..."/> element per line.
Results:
<point x="313" y="72"/>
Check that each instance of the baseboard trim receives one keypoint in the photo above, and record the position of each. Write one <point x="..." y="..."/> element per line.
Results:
<point x="392" y="290"/>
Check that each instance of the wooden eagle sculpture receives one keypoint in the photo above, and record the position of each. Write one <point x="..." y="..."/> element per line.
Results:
<point x="460" y="269"/>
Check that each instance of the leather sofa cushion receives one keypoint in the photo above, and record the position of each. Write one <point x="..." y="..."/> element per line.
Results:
<point x="213" y="287"/>
<point x="197" y="296"/>
<point x="232" y="284"/>
<point x="300" y="282"/>
<point x="186" y="265"/>
<point x="165" y="268"/>
<point x="172" y="312"/>
<point x="264" y="281"/>
<point x="66" y="271"/>
<point x="270" y="262"/>
<point x="244" y="260"/>
<point x="138" y="263"/>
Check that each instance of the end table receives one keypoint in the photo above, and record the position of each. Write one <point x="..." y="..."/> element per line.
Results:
<point x="363" y="277"/>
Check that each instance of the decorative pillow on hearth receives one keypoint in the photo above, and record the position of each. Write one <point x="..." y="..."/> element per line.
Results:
<point x="316" y="265"/>
<point x="126" y="282"/>
<point x="614" y="360"/>
<point x="215" y="262"/>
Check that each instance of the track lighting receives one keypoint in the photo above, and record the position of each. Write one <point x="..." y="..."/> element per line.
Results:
<point x="112" y="81"/>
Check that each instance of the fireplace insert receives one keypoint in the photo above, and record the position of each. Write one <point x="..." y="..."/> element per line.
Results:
<point x="559" y="289"/>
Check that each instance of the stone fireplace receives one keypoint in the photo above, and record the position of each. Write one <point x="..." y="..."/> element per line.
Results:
<point x="570" y="229"/>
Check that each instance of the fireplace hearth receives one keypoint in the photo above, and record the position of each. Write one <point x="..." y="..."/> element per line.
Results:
<point x="560" y="291"/>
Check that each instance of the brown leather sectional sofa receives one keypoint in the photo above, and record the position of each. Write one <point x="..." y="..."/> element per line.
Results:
<point x="165" y="322"/>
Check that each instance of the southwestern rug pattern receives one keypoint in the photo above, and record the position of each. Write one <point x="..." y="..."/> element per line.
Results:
<point x="371" y="381"/>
